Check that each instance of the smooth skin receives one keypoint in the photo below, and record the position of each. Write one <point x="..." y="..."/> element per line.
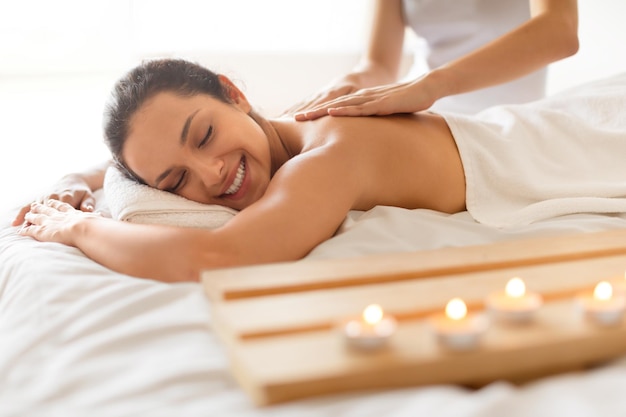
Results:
<point x="551" y="34"/>
<point x="300" y="182"/>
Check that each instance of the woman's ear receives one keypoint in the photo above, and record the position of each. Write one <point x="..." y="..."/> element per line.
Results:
<point x="235" y="95"/>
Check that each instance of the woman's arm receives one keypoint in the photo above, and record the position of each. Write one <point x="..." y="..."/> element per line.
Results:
<point x="551" y="34"/>
<point x="75" y="189"/>
<point x="303" y="206"/>
<point x="164" y="253"/>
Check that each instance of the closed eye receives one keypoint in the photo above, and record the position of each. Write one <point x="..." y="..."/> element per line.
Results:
<point x="204" y="141"/>
<point x="178" y="184"/>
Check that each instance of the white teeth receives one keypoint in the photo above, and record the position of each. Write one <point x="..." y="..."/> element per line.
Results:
<point x="241" y="172"/>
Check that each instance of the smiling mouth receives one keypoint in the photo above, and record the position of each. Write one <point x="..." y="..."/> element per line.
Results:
<point x="241" y="173"/>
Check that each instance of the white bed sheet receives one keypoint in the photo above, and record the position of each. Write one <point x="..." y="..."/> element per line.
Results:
<point x="77" y="339"/>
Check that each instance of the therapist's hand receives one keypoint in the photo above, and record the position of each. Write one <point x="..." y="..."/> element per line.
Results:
<point x="343" y="86"/>
<point x="407" y="97"/>
<point x="71" y="189"/>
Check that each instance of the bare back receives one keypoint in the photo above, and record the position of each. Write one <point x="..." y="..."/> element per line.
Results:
<point x="408" y="161"/>
<point x="344" y="164"/>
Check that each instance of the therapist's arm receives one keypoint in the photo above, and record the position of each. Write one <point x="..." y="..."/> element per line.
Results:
<point x="384" y="48"/>
<point x="379" y="65"/>
<point x="549" y="35"/>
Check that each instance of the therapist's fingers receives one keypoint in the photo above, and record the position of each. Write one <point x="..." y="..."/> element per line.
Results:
<point x="355" y="99"/>
<point x="321" y="98"/>
<point x="343" y="103"/>
<point x="376" y="101"/>
<point x="378" y="107"/>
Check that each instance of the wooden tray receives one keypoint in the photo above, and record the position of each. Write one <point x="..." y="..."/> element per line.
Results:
<point x="279" y="322"/>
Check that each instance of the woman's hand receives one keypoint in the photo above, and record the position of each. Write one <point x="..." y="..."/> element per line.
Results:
<point x="408" y="97"/>
<point x="53" y="221"/>
<point x="72" y="189"/>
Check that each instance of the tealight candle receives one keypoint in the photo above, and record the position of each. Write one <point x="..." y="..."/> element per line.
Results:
<point x="456" y="329"/>
<point x="514" y="304"/>
<point x="602" y="306"/>
<point x="371" y="330"/>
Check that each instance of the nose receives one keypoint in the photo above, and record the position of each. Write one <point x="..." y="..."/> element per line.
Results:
<point x="210" y="171"/>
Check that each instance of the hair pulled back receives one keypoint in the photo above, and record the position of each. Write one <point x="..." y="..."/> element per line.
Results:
<point x="143" y="82"/>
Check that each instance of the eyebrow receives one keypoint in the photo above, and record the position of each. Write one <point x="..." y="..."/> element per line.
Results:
<point x="183" y="140"/>
<point x="183" y="135"/>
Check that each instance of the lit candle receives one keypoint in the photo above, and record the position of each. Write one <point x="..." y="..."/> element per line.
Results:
<point x="456" y="329"/>
<point x="514" y="304"/>
<point x="602" y="306"/>
<point x="371" y="330"/>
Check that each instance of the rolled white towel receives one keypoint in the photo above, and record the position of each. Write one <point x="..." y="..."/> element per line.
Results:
<point x="138" y="203"/>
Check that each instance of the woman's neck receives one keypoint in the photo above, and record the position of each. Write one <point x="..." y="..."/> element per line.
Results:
<point x="285" y="139"/>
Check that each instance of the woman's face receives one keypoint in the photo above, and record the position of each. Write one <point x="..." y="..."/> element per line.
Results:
<point x="200" y="148"/>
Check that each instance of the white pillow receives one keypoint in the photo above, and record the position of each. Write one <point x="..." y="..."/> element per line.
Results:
<point x="138" y="203"/>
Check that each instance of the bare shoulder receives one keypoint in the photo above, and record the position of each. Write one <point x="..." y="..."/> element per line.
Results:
<point x="374" y="132"/>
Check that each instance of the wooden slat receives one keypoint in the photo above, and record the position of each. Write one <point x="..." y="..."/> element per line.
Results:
<point x="322" y="309"/>
<point x="233" y="283"/>
<point x="286" y="368"/>
<point x="279" y="322"/>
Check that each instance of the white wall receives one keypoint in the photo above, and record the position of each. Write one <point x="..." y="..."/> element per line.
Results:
<point x="58" y="60"/>
<point x="53" y="82"/>
<point x="602" y="34"/>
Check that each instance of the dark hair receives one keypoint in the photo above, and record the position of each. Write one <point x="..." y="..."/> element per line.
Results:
<point x="144" y="82"/>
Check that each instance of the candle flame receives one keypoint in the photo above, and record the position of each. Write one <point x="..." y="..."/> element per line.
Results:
<point x="515" y="288"/>
<point x="456" y="309"/>
<point x="603" y="291"/>
<point x="372" y="314"/>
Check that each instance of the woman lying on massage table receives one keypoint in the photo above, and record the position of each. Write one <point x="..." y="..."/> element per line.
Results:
<point x="176" y="126"/>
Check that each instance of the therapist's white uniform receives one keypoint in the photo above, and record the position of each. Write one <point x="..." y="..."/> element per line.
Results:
<point x="452" y="28"/>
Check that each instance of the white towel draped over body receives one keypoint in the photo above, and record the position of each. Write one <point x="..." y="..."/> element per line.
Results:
<point x="562" y="155"/>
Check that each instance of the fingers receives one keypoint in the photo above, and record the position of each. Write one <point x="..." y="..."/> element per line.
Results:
<point x="320" y="99"/>
<point x="78" y="199"/>
<point x="88" y="203"/>
<point x="312" y="103"/>
<point x="352" y="105"/>
<point x="21" y="216"/>
<point x="311" y="115"/>
<point x="31" y="224"/>
<point x="367" y="109"/>
<point x="49" y="208"/>
<point x="378" y="101"/>
<point x="71" y="197"/>
<point x="19" y="219"/>
<point x="38" y="213"/>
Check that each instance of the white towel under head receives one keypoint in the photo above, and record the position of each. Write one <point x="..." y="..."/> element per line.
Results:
<point x="138" y="203"/>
